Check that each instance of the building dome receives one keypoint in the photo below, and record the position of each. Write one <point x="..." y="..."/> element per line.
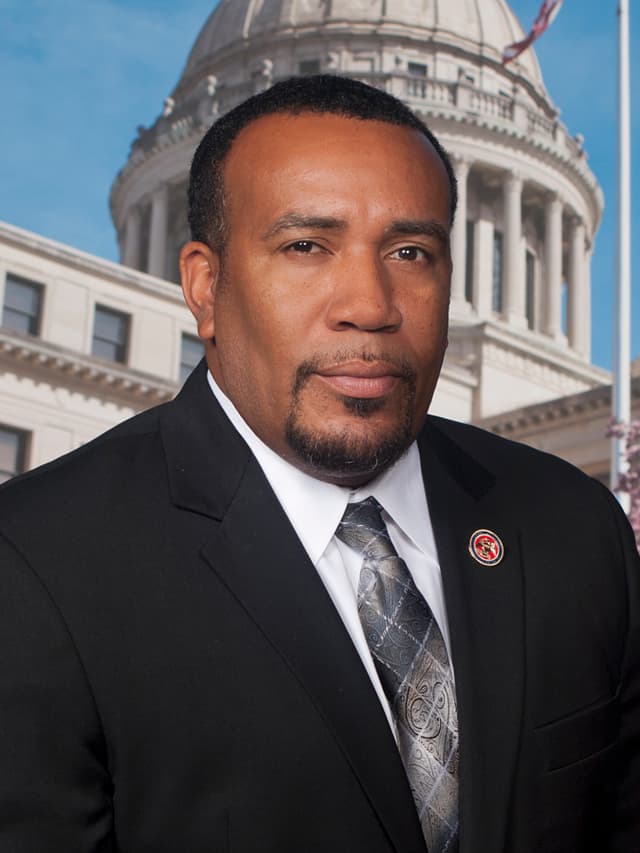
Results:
<point x="478" y="28"/>
<point x="529" y="204"/>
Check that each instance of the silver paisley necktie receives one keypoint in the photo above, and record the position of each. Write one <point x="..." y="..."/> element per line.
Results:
<point x="412" y="662"/>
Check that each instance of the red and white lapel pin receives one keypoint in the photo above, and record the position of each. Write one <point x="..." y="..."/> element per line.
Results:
<point x="486" y="547"/>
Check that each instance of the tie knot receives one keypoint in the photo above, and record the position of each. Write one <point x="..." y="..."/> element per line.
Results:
<point x="363" y="529"/>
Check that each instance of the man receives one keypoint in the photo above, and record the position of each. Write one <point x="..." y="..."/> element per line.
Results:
<point x="288" y="611"/>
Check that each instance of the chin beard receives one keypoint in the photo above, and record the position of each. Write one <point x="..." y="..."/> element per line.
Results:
<point x="347" y="456"/>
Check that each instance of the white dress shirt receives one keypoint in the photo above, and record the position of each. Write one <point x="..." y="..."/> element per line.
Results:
<point x="315" y="509"/>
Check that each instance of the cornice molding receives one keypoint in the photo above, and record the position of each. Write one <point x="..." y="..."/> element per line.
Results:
<point x="595" y="402"/>
<point x="536" y="346"/>
<point x="101" y="379"/>
<point x="89" y="264"/>
<point x="459" y="373"/>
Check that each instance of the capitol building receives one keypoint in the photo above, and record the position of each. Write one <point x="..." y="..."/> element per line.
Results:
<point x="85" y="343"/>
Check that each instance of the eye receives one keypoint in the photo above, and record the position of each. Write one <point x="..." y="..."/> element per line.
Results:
<point x="410" y="253"/>
<point x="303" y="247"/>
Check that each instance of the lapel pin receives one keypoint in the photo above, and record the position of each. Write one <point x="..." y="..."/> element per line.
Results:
<point x="486" y="547"/>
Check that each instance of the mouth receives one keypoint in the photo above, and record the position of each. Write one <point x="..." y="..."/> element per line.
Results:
<point x="365" y="380"/>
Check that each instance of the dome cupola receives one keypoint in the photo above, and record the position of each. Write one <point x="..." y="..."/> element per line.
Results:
<point x="529" y="204"/>
<point x="480" y="29"/>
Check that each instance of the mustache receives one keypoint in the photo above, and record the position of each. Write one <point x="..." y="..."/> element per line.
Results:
<point x="312" y="365"/>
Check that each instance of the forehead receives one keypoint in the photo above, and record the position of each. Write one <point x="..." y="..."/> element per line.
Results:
<point x="283" y="152"/>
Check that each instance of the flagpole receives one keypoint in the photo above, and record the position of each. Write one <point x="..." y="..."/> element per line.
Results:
<point x="621" y="396"/>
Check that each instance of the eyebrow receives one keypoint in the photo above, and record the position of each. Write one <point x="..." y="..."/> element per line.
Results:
<point x="299" y="220"/>
<point x="419" y="228"/>
<point x="401" y="227"/>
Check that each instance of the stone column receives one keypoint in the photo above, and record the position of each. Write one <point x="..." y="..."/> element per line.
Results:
<point x="575" y="296"/>
<point x="553" y="258"/>
<point x="513" y="309"/>
<point x="483" y="264"/>
<point x="158" y="232"/>
<point x="586" y="304"/>
<point x="459" y="237"/>
<point x="131" y="249"/>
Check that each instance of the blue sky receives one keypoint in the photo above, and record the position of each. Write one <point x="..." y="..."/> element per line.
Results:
<point x="80" y="75"/>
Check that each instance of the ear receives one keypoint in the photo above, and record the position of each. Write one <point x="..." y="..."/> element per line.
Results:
<point x="199" y="271"/>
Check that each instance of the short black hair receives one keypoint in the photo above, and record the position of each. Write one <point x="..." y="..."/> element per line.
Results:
<point x="318" y="93"/>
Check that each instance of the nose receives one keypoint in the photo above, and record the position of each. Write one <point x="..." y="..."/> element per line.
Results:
<point x="362" y="297"/>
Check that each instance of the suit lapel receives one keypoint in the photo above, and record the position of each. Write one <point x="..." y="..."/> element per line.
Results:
<point x="485" y="610"/>
<point x="259" y="558"/>
<point x="256" y="553"/>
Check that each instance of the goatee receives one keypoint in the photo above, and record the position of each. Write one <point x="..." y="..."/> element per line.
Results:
<point x="347" y="456"/>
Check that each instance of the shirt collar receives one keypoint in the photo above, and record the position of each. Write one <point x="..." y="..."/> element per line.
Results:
<point x="315" y="508"/>
<point x="400" y="491"/>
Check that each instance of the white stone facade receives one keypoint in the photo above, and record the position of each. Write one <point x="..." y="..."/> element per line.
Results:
<point x="573" y="427"/>
<point x="53" y="391"/>
<point x="529" y="210"/>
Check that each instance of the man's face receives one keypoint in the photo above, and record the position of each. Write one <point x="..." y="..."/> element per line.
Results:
<point x="326" y="313"/>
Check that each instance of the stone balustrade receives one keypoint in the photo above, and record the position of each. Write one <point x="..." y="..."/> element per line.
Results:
<point x="460" y="99"/>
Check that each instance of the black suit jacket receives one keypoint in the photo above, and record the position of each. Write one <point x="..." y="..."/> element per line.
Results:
<point x="174" y="676"/>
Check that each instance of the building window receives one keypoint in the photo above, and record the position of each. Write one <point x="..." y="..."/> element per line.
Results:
<point x="22" y="305"/>
<point x="191" y="351"/>
<point x="110" y="334"/>
<point x="309" y="66"/>
<point x="13" y="445"/>
<point x="417" y="69"/>
<point x="468" y="261"/>
<point x="417" y="80"/>
<point x="496" y="289"/>
<point x="530" y="272"/>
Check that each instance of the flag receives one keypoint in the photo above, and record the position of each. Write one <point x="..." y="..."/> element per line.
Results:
<point x="547" y="13"/>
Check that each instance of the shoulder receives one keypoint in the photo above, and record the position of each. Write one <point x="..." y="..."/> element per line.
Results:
<point x="541" y="495"/>
<point x="501" y="456"/>
<point x="85" y="474"/>
<point x="529" y="483"/>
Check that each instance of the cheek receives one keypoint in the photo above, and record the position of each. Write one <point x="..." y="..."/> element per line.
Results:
<point x="425" y="325"/>
<point x="280" y="322"/>
<point x="256" y="345"/>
